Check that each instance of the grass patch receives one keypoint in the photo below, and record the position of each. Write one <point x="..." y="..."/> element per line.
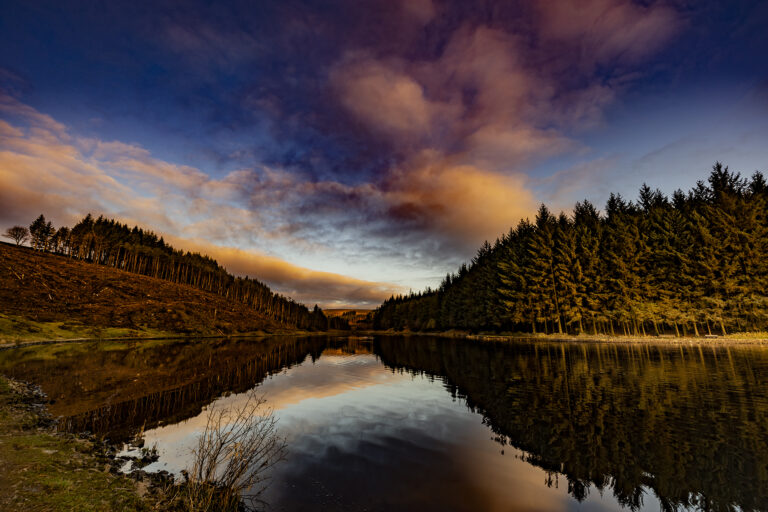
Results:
<point x="44" y="471"/>
<point x="17" y="329"/>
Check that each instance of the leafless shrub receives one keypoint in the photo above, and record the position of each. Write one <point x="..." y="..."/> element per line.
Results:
<point x="232" y="458"/>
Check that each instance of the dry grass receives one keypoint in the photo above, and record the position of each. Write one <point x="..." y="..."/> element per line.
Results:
<point x="48" y="296"/>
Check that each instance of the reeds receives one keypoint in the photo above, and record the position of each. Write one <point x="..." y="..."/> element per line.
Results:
<point x="232" y="459"/>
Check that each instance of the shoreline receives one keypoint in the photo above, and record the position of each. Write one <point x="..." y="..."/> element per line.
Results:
<point x="60" y="471"/>
<point x="713" y="340"/>
<point x="8" y="345"/>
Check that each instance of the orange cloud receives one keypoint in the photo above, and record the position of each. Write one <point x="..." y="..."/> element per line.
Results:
<point x="303" y="284"/>
<point x="384" y="97"/>
<point x="66" y="177"/>
<point x="455" y="198"/>
<point x="460" y="175"/>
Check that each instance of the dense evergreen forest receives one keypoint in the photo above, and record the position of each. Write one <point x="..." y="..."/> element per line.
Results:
<point x="695" y="263"/>
<point x="108" y="242"/>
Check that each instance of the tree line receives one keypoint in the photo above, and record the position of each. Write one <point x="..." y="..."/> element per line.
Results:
<point x="108" y="242"/>
<point x="695" y="263"/>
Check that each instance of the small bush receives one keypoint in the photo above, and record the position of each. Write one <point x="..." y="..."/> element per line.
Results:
<point x="232" y="458"/>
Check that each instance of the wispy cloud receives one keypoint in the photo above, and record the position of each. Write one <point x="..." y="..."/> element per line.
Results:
<point x="45" y="168"/>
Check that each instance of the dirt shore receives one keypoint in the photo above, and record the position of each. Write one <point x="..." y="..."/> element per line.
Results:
<point x="45" y="470"/>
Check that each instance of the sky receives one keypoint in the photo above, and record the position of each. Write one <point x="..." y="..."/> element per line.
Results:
<point x="345" y="150"/>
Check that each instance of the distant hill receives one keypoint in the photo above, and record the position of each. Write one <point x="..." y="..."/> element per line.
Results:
<point x="357" y="319"/>
<point x="108" y="242"/>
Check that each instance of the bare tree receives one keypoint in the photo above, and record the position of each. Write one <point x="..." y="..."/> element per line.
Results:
<point x="18" y="234"/>
<point x="232" y="458"/>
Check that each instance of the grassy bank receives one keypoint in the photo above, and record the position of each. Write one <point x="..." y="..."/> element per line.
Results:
<point x="734" y="338"/>
<point x="47" y="471"/>
<point x="18" y="329"/>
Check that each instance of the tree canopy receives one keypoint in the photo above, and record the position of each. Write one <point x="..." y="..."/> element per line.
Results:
<point x="695" y="263"/>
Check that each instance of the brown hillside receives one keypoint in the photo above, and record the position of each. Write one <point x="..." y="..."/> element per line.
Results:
<point x="44" y="287"/>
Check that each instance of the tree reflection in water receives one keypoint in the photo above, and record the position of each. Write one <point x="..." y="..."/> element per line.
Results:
<point x="689" y="422"/>
<point x="116" y="390"/>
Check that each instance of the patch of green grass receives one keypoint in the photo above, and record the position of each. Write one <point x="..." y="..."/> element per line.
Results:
<point x="50" y="352"/>
<point x="16" y="329"/>
<point x="44" y="471"/>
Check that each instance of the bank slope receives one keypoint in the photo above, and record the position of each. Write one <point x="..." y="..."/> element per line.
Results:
<point x="44" y="295"/>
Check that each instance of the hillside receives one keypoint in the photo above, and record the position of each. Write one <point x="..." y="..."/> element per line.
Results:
<point x="37" y="288"/>
<point x="357" y="319"/>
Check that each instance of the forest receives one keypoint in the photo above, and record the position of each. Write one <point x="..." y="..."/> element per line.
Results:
<point x="695" y="263"/>
<point x="107" y="242"/>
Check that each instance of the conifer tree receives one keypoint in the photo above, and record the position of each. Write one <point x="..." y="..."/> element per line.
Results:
<point x="695" y="263"/>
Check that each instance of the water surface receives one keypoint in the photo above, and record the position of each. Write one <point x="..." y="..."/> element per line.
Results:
<point x="436" y="424"/>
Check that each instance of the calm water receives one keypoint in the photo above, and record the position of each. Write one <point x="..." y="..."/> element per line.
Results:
<point x="432" y="424"/>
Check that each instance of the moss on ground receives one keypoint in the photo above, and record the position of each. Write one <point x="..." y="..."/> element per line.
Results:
<point x="46" y="471"/>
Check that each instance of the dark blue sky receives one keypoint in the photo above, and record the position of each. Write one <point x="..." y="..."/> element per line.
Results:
<point x="382" y="140"/>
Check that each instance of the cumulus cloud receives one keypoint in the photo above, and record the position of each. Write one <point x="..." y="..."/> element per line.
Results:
<point x="452" y="199"/>
<point x="468" y="121"/>
<point x="387" y="99"/>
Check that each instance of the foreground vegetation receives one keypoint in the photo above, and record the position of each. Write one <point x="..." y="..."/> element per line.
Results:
<point x="43" y="470"/>
<point x="693" y="264"/>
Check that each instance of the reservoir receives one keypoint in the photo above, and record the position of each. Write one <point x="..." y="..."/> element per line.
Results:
<point x="425" y="423"/>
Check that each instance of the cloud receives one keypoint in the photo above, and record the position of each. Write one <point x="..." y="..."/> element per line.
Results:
<point x="387" y="99"/>
<point x="606" y="30"/>
<point x="500" y="94"/>
<point x="381" y="138"/>
<point x="458" y="200"/>
<point x="66" y="177"/>
<point x="465" y="124"/>
<point x="302" y="284"/>
<point x="422" y="11"/>
<point x="408" y="118"/>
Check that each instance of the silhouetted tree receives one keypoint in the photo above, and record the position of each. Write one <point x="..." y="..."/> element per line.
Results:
<point x="18" y="234"/>
<point x="40" y="232"/>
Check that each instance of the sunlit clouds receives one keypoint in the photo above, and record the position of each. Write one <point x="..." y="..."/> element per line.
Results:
<point x="44" y="168"/>
<point x="347" y="151"/>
